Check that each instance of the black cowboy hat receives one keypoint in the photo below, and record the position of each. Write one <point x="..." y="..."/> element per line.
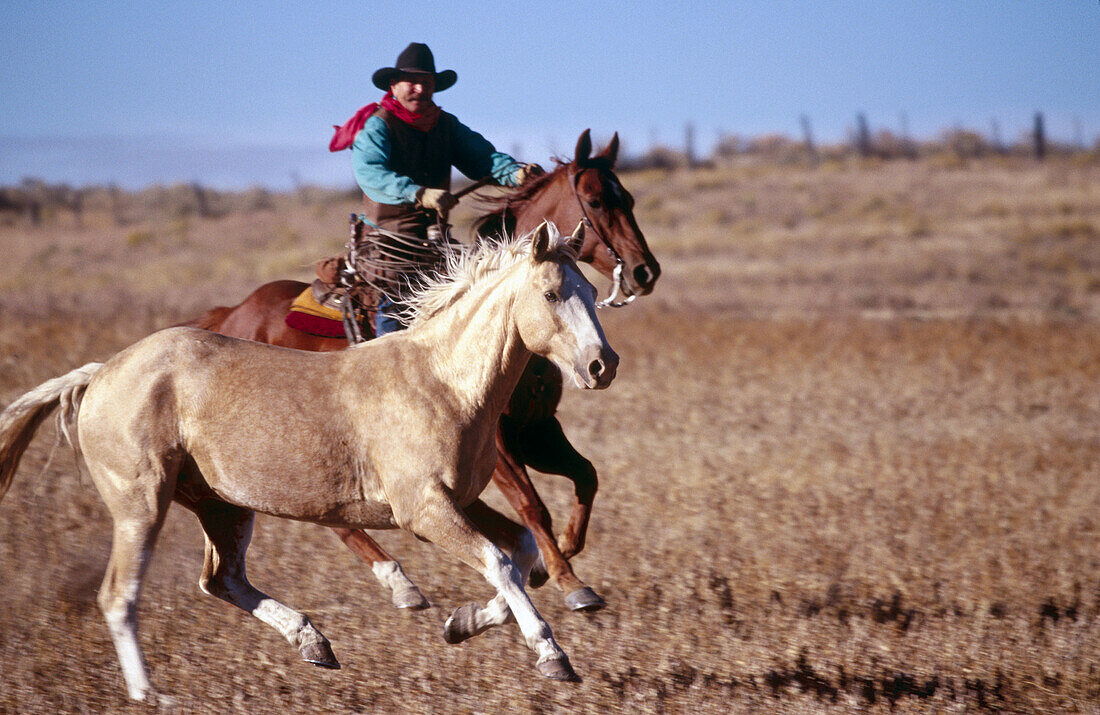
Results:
<point x="414" y="59"/>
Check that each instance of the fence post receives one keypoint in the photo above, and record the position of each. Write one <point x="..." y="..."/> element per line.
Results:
<point x="808" y="138"/>
<point x="1040" y="137"/>
<point x="689" y="145"/>
<point x="863" y="136"/>
<point x="202" y="200"/>
<point x="908" y="146"/>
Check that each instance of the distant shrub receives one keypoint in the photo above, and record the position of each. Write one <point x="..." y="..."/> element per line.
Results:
<point x="946" y="160"/>
<point x="139" y="237"/>
<point x="658" y="157"/>
<point x="258" y="199"/>
<point x="729" y="146"/>
<point x="888" y="145"/>
<point x="778" y="148"/>
<point x="1075" y="228"/>
<point x="966" y="144"/>
<point x="918" y="227"/>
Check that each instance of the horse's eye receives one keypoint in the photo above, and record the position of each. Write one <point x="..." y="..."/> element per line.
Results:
<point x="551" y="296"/>
<point x="594" y="203"/>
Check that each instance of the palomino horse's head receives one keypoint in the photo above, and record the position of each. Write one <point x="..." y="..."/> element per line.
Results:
<point x="614" y="245"/>
<point x="556" y="313"/>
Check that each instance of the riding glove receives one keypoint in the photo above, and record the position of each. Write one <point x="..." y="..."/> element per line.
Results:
<point x="528" y="171"/>
<point x="439" y="199"/>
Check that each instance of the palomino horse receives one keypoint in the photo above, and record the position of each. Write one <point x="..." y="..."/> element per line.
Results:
<point x="584" y="190"/>
<point x="396" y="432"/>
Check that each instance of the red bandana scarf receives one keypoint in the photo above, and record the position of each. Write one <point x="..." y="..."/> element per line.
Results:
<point x="345" y="135"/>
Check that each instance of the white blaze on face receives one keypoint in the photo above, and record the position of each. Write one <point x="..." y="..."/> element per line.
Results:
<point x="578" y="311"/>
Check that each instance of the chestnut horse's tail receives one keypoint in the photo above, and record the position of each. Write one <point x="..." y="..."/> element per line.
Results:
<point x="21" y="419"/>
<point x="210" y="320"/>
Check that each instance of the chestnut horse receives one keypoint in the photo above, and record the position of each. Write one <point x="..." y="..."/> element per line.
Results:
<point x="398" y="433"/>
<point x="586" y="191"/>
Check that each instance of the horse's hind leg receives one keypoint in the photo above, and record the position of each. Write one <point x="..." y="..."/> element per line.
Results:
<point x="138" y="515"/>
<point x="404" y="593"/>
<point x="471" y="620"/>
<point x="228" y="532"/>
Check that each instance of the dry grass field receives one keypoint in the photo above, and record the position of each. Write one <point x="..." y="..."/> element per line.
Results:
<point x="851" y="462"/>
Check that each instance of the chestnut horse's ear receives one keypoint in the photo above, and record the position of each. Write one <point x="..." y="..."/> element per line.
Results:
<point x="584" y="146"/>
<point x="611" y="151"/>
<point x="576" y="241"/>
<point x="540" y="242"/>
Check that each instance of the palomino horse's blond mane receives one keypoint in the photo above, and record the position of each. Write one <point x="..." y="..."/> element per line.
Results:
<point x="466" y="266"/>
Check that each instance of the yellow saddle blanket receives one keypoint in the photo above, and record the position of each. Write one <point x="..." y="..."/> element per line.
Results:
<point x="306" y="303"/>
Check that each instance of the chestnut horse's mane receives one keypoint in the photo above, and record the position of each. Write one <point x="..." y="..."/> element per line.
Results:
<point x="513" y="200"/>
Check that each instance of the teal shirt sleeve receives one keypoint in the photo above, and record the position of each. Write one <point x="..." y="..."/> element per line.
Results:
<point x="476" y="157"/>
<point x="370" y="157"/>
<point x="473" y="155"/>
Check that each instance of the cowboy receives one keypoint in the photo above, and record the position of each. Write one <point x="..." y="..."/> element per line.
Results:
<point x="403" y="148"/>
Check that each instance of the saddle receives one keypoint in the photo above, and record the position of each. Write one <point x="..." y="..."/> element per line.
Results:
<point x="377" y="263"/>
<point x="317" y="317"/>
<point x="319" y="309"/>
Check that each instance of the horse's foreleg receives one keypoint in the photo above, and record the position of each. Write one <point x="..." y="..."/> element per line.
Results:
<point x="512" y="479"/>
<point x="546" y="448"/>
<point x="404" y="593"/>
<point x="471" y="620"/>
<point x="228" y="531"/>
<point x="434" y="516"/>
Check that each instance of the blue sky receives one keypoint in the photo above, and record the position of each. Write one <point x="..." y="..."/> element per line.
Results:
<point x="240" y="93"/>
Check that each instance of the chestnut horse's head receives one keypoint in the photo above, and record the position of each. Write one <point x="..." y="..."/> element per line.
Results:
<point x="614" y="243"/>
<point x="586" y="190"/>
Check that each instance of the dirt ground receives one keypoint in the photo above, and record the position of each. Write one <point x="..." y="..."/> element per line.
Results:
<point x="850" y="462"/>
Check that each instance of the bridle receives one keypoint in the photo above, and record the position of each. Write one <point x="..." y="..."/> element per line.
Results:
<point x="617" y="283"/>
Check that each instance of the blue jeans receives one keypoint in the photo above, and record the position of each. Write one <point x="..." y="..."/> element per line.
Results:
<point x="384" y="320"/>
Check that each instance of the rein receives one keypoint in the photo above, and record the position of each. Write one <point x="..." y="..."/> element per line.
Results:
<point x="617" y="274"/>
<point x="405" y="253"/>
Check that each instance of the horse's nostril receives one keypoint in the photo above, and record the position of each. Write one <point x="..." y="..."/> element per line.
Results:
<point x="643" y="276"/>
<point x="595" y="368"/>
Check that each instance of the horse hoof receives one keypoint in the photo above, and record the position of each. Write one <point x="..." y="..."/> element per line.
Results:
<point x="167" y="704"/>
<point x="410" y="599"/>
<point x="460" y="625"/>
<point x="584" y="599"/>
<point x="558" y="669"/>
<point x="538" y="576"/>
<point x="164" y="703"/>
<point x="320" y="654"/>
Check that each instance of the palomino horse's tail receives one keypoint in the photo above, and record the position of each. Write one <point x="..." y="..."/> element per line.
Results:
<point x="21" y="419"/>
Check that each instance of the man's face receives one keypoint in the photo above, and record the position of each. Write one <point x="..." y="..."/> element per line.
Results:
<point x="414" y="91"/>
